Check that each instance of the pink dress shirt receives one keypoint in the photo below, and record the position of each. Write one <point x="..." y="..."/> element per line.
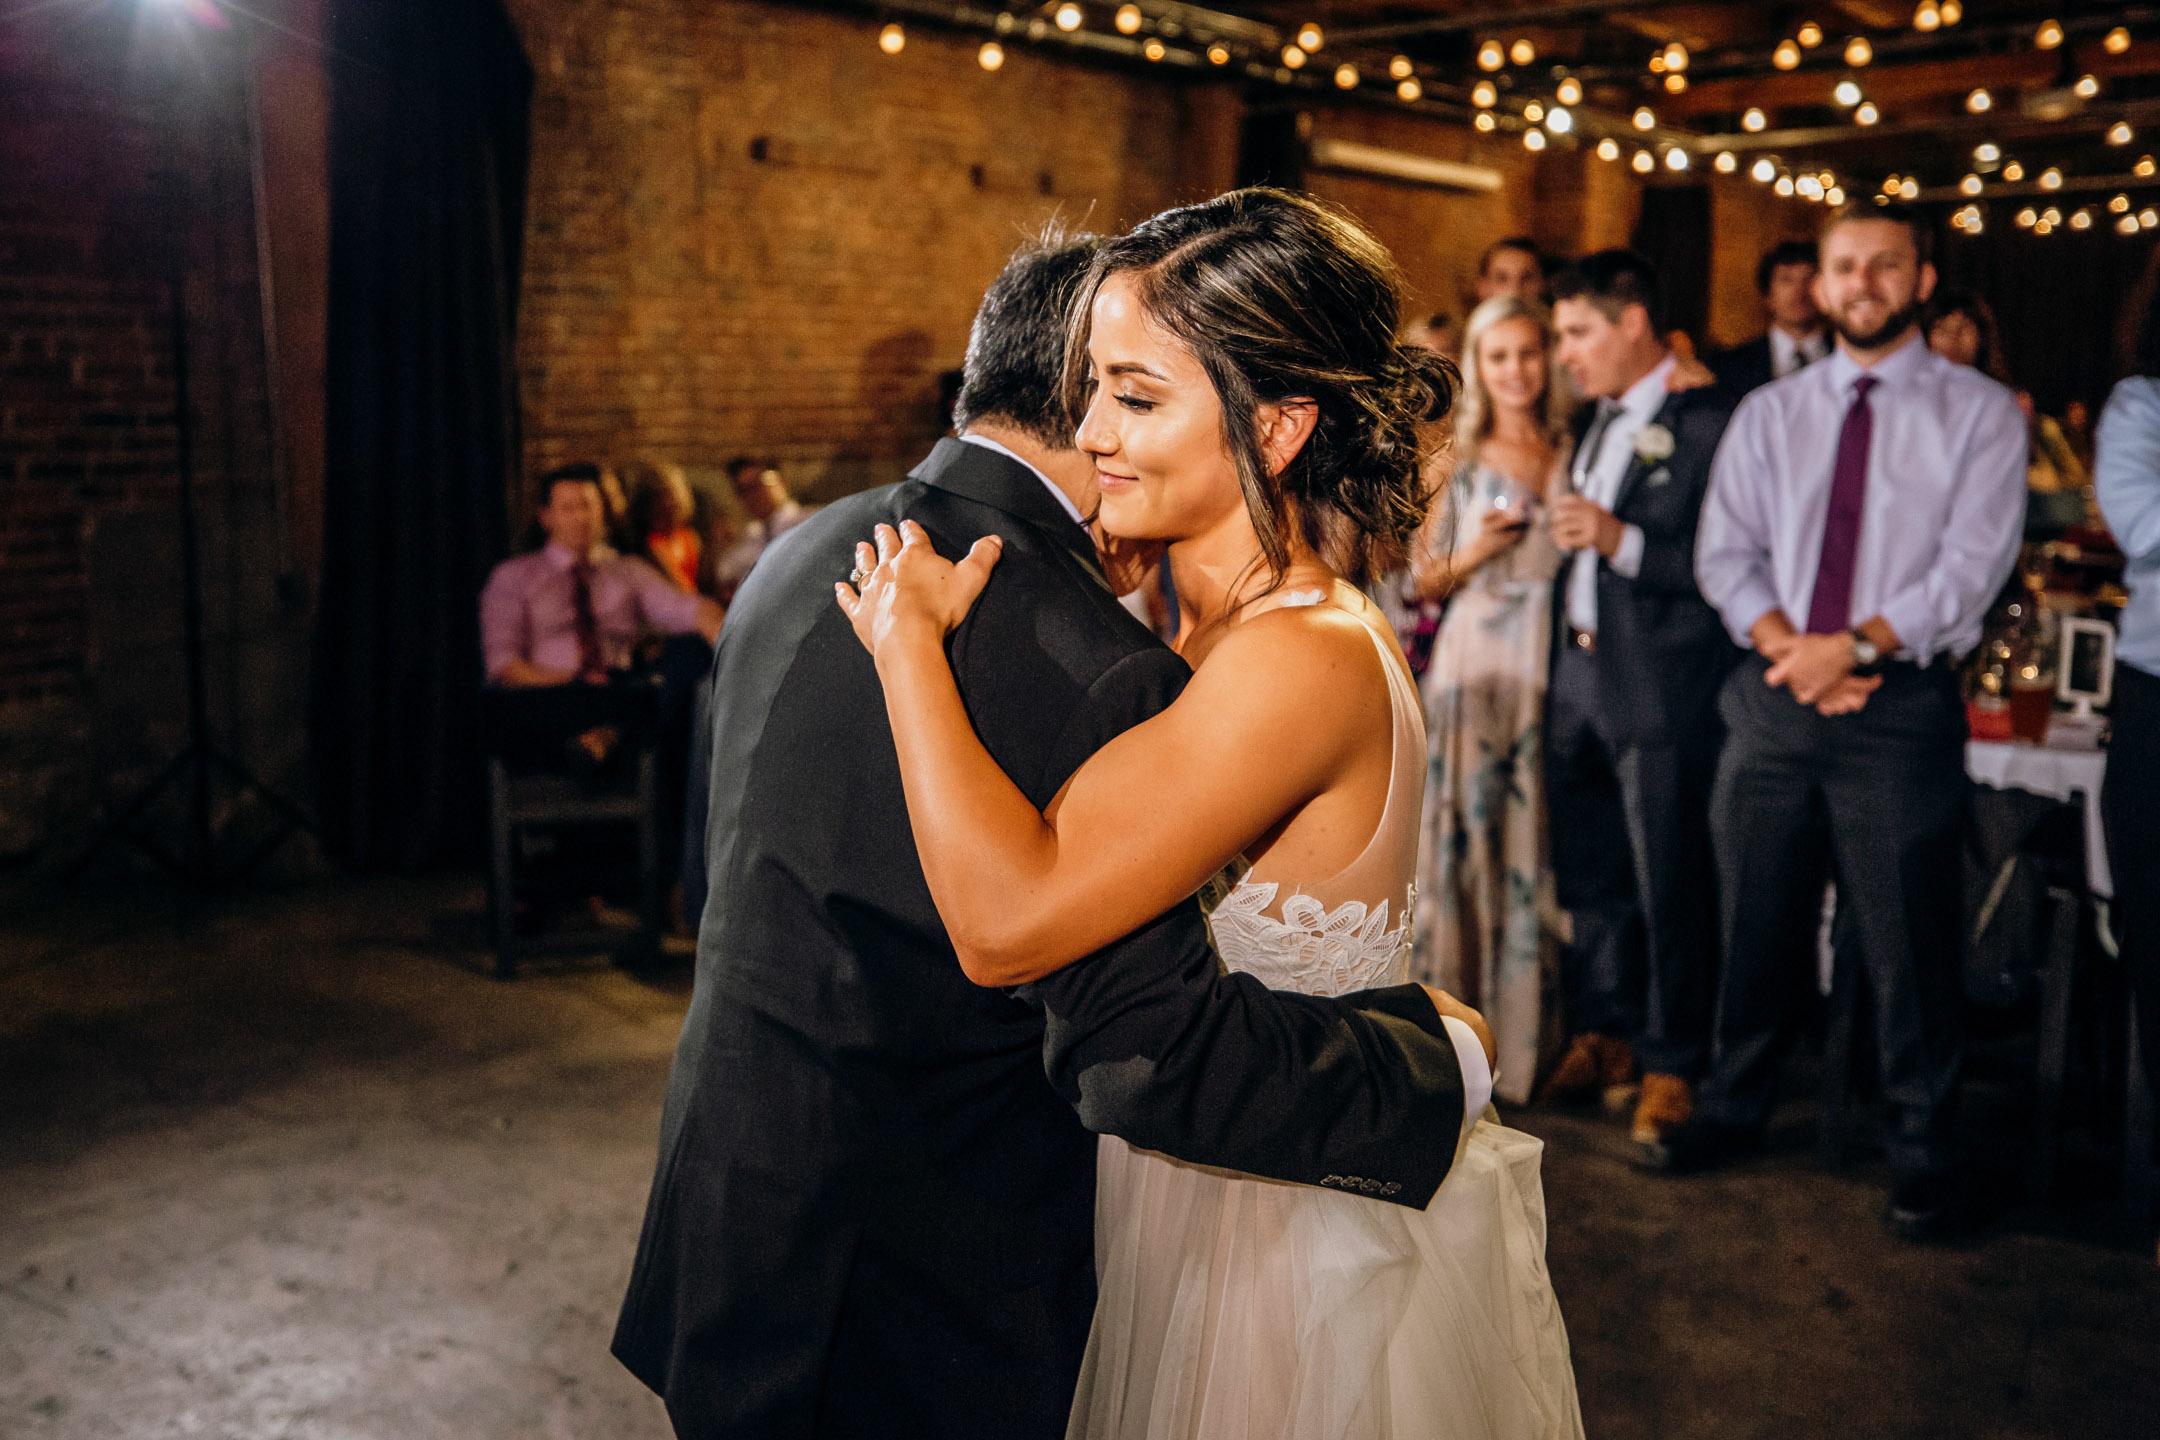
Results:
<point x="529" y="609"/>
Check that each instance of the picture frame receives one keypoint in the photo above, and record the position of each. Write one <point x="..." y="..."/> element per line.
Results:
<point x="2085" y="674"/>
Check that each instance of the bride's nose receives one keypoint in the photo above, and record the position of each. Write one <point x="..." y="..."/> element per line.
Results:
<point x="1094" y="436"/>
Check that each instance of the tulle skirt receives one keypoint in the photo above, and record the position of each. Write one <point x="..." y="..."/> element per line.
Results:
<point x="1233" y="1308"/>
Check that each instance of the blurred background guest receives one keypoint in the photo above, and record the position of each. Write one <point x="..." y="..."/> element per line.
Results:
<point x="2058" y="489"/>
<point x="662" y="521"/>
<point x="1795" y="333"/>
<point x="1513" y="267"/>
<point x="2126" y="476"/>
<point x="773" y="511"/>
<point x="1961" y="328"/>
<point x="1485" y="911"/>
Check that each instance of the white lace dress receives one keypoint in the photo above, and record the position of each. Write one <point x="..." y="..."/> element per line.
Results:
<point x="1234" y="1308"/>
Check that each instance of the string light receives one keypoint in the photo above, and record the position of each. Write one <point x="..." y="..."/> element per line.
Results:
<point x="2082" y="220"/>
<point x="1834" y="196"/>
<point x="1559" y="120"/>
<point x="1644" y="119"/>
<point x="1676" y="159"/>
<point x="1810" y="35"/>
<point x="2127" y="225"/>
<point x="1970" y="185"/>
<point x="1218" y="55"/>
<point x="1484" y="121"/>
<point x="1533" y="139"/>
<point x="1979" y="102"/>
<point x="1490" y="56"/>
<point x="2144" y="167"/>
<point x="1675" y="84"/>
<point x="1069" y="17"/>
<point x="1926" y="16"/>
<point x="892" y="39"/>
<point x="1127" y="19"/>
<point x="2049" y="35"/>
<point x="2120" y="133"/>
<point x="1867" y="114"/>
<point x="1409" y="90"/>
<point x="1846" y="93"/>
<point x="1786" y="56"/>
<point x="1608" y="149"/>
<point x="1346" y="77"/>
<point x="1952" y="12"/>
<point x="991" y="56"/>
<point x="1309" y="37"/>
<point x="1987" y="152"/>
<point x="1154" y="49"/>
<point x="1763" y="171"/>
<point x="1726" y="162"/>
<point x="1785" y="186"/>
<point x="1522" y="52"/>
<point x="2117" y="41"/>
<point x="2148" y="218"/>
<point x="2120" y="204"/>
<point x="1644" y="162"/>
<point x="1676" y="57"/>
<point x="1754" y="121"/>
<point x="1483" y="95"/>
<point x="2045" y="226"/>
<point x="1570" y="91"/>
<point x="2027" y="218"/>
<point x="1400" y="68"/>
<point x="2051" y="216"/>
<point x="1858" y="52"/>
<point x="1889" y="185"/>
<point x="1657" y="63"/>
<point x="1533" y="112"/>
<point x="1293" y="58"/>
<point x="1809" y="187"/>
<point x="2013" y="172"/>
<point x="2086" y="87"/>
<point x="1908" y="189"/>
<point x="2051" y="179"/>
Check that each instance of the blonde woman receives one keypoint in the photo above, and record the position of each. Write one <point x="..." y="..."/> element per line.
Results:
<point x="1485" y="909"/>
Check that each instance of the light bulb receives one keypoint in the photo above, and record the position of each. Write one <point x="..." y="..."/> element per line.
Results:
<point x="1608" y="149"/>
<point x="1533" y="112"/>
<point x="2144" y="167"/>
<point x="2045" y="227"/>
<point x="2027" y="218"/>
<point x="1785" y="186"/>
<point x="2120" y="133"/>
<point x="1483" y="94"/>
<point x="1559" y="120"/>
<point x="2149" y="218"/>
<point x="1867" y="114"/>
<point x="2013" y="172"/>
<point x="2086" y="87"/>
<point x="1644" y="119"/>
<point x="1858" y="52"/>
<point x="1644" y="162"/>
<point x="1810" y="35"/>
<point x="1154" y="49"/>
<point x="1533" y="139"/>
<point x="2082" y="220"/>
<point x="1835" y="195"/>
<point x="991" y="55"/>
<point x="1676" y="159"/>
<point x="2120" y="204"/>
<point x="1675" y="84"/>
<point x="1490" y="56"/>
<point x="1570" y="91"/>
<point x="1400" y="68"/>
<point x="1926" y="16"/>
<point x="2051" y="216"/>
<point x="1809" y="187"/>
<point x="1846" y="93"/>
<point x="2127" y="225"/>
<point x="1482" y="120"/>
<point x="1522" y="52"/>
<point x="1763" y="171"/>
<point x="1979" y="102"/>
<point x="1409" y="89"/>
<point x="1726" y="162"/>
<point x="1753" y="121"/>
<point x="1309" y="37"/>
<point x="1889" y="185"/>
<point x="2051" y="179"/>
<point x="1786" y="56"/>
<point x="1293" y="57"/>
<point x="2117" y="41"/>
<point x="1987" y="152"/>
<point x="1970" y="185"/>
<point x="892" y="39"/>
<point x="1908" y="189"/>
<point x="1676" y="56"/>
<point x="1346" y="77"/>
<point x="2048" y="36"/>
<point x="1952" y="12"/>
<point x="1218" y="55"/>
<point x="1127" y="19"/>
<point x="1069" y="17"/>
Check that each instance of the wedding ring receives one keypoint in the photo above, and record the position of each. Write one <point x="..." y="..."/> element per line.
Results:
<point x="857" y="576"/>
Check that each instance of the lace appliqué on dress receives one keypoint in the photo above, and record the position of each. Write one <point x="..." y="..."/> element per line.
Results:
<point x="1311" y="949"/>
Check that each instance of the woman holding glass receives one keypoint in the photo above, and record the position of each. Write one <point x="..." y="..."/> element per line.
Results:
<point x="1484" y="905"/>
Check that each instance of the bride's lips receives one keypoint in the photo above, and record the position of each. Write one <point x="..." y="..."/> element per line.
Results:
<point x="1108" y="480"/>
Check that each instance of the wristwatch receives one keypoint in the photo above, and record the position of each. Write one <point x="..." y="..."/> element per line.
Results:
<point x="1867" y="656"/>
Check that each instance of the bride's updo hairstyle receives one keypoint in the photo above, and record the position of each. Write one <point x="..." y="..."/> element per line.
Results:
<point x="1281" y="298"/>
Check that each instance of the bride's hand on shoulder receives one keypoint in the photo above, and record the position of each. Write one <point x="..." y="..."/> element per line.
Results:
<point x="1452" y="1008"/>
<point x="903" y="587"/>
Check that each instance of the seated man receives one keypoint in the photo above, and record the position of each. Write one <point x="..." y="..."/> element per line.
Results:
<point x="573" y="610"/>
<point x="773" y="512"/>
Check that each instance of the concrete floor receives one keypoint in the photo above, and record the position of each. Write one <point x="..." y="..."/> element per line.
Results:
<point x="292" y="1166"/>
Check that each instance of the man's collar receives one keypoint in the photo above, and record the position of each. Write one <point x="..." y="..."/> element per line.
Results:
<point x="562" y="557"/>
<point x="1644" y="398"/>
<point x="1893" y="369"/>
<point x="1064" y="501"/>
<point x="990" y="476"/>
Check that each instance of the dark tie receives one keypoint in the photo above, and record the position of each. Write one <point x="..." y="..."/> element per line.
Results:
<point x="1607" y="412"/>
<point x="588" y="626"/>
<point x="1830" y="608"/>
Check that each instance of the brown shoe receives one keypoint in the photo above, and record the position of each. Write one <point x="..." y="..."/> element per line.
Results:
<point x="1667" y="1101"/>
<point x="1578" y="1075"/>
<point x="1617" y="1073"/>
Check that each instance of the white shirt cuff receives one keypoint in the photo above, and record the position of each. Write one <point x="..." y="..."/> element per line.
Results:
<point x="1627" y="557"/>
<point x="1477" y="1076"/>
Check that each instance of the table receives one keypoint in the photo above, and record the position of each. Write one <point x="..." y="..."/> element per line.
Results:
<point x="2068" y="773"/>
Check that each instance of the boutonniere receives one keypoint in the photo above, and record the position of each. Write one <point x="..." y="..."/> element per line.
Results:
<point x="1653" y="442"/>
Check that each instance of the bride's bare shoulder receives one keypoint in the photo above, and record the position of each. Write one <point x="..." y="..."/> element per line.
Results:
<point x="1319" y="652"/>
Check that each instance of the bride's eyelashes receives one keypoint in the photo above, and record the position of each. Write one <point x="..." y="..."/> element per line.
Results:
<point x="1139" y="404"/>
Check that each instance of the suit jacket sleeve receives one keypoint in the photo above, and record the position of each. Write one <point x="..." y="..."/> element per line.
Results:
<point x="1152" y="1041"/>
<point x="1668" y="558"/>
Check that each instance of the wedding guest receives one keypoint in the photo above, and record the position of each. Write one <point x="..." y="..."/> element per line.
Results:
<point x="1961" y="328"/>
<point x="1512" y="267"/>
<point x="1795" y="334"/>
<point x="662" y="511"/>
<point x="2126" y="476"/>
<point x="1862" y="516"/>
<point x="773" y="512"/>
<point x="1484" y="886"/>
<point x="1631" y="730"/>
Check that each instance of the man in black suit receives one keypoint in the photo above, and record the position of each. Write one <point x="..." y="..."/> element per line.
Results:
<point x="1631" y="724"/>
<point x="873" y="1212"/>
<point x="1797" y="335"/>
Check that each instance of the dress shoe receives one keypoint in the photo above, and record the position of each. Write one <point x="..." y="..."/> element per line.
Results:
<point x="1584" y="1070"/>
<point x="1696" y="1145"/>
<point x="1926" y="1207"/>
<point x="1667" y="1102"/>
<point x="1618" y="1073"/>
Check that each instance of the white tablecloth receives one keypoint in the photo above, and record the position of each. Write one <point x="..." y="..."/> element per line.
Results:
<point x="2069" y="775"/>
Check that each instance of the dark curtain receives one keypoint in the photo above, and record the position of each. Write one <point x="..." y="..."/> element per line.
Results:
<point x="427" y="165"/>
<point x="1674" y="231"/>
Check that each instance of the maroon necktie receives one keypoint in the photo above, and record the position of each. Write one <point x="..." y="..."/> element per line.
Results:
<point x="1830" y="608"/>
<point x="588" y="627"/>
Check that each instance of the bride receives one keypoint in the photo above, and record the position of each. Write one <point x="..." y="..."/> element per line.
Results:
<point x="1246" y="405"/>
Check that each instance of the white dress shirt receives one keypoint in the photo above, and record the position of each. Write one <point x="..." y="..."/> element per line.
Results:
<point x="1944" y="511"/>
<point x="1788" y="355"/>
<point x="1597" y="478"/>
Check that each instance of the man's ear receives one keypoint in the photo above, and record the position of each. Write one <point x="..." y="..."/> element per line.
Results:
<point x="1926" y="285"/>
<point x="1285" y="426"/>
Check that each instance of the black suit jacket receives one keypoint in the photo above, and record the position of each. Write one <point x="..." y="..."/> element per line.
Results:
<point x="1744" y="367"/>
<point x="873" y="1210"/>
<point x="1662" y="651"/>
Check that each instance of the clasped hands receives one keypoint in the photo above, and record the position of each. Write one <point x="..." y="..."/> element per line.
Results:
<point x="1816" y="668"/>
<point x="1583" y="524"/>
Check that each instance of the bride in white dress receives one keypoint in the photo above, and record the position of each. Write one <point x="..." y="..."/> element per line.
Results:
<point x="1246" y="405"/>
